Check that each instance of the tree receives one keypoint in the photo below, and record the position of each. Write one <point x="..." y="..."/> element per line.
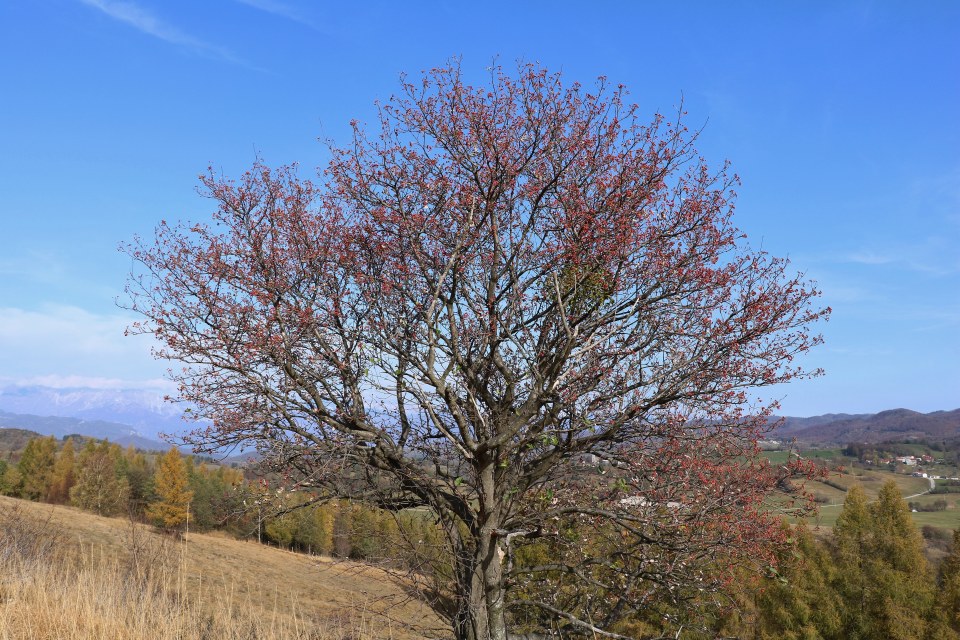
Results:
<point x="882" y="574"/>
<point x="800" y="603"/>
<point x="501" y="284"/>
<point x="36" y="467"/>
<point x="9" y="479"/>
<point x="100" y="485"/>
<point x="171" y="511"/>
<point x="948" y="589"/>
<point x="63" y="475"/>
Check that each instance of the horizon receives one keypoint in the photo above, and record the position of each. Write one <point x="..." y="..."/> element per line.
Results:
<point x="840" y="121"/>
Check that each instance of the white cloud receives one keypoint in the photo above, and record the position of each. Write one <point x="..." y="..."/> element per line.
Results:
<point x="58" y="381"/>
<point x="143" y="20"/>
<point x="64" y="341"/>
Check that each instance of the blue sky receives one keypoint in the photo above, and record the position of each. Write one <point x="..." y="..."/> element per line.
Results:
<point x="840" y="117"/>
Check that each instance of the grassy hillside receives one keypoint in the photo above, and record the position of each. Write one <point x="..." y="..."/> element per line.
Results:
<point x="68" y="574"/>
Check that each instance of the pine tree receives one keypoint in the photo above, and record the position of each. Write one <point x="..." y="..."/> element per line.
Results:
<point x="851" y="535"/>
<point x="905" y="586"/>
<point x="171" y="511"/>
<point x="800" y="603"/>
<point x="9" y="479"/>
<point x="139" y="474"/>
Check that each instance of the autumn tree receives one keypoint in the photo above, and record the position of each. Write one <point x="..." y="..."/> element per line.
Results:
<point x="882" y="575"/>
<point x="171" y="510"/>
<point x="36" y="467"/>
<point x="63" y="475"/>
<point x="497" y="286"/>
<point x="100" y="485"/>
<point x="948" y="589"/>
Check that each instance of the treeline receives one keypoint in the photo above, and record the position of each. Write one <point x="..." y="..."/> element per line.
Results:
<point x="177" y="492"/>
<point x="946" y="450"/>
<point x="103" y="478"/>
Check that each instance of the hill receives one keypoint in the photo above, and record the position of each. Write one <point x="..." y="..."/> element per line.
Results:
<point x="895" y="424"/>
<point x="57" y="426"/>
<point x="15" y="439"/>
<point x="103" y="577"/>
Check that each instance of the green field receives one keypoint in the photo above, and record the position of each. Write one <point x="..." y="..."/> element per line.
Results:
<point x="832" y="491"/>
<point x="779" y="457"/>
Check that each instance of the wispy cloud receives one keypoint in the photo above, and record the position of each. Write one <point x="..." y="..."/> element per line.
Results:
<point x="932" y="256"/>
<point x="70" y="341"/>
<point x="145" y="21"/>
<point x="57" y="381"/>
<point x="868" y="257"/>
<point x="282" y="10"/>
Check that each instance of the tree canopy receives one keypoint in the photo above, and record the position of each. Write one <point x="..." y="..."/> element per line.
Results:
<point x="518" y="305"/>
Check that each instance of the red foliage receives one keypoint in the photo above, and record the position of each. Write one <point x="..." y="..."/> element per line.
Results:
<point x="500" y="281"/>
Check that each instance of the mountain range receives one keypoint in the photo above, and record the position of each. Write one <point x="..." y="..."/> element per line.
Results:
<point x="124" y="411"/>
<point x="139" y="416"/>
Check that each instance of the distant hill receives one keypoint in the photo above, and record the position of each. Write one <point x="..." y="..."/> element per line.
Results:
<point x="895" y="424"/>
<point x="15" y="439"/>
<point x="16" y="425"/>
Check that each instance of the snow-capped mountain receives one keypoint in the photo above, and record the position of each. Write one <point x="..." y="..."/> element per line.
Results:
<point x="143" y="409"/>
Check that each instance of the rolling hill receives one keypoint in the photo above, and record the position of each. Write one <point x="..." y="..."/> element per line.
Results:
<point x="895" y="424"/>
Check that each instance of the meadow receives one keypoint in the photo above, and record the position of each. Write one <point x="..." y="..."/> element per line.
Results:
<point x="68" y="574"/>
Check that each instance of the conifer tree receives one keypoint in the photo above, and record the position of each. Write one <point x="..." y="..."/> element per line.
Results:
<point x="63" y="476"/>
<point x="800" y="603"/>
<point x="36" y="467"/>
<point x="851" y="533"/>
<point x="905" y="586"/>
<point x="948" y="591"/>
<point x="882" y="574"/>
<point x="171" y="511"/>
<point x="139" y="474"/>
<point x="9" y="479"/>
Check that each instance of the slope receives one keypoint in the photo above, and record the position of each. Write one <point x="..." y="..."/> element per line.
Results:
<point x="282" y="594"/>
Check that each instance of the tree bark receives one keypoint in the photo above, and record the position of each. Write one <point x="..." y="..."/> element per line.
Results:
<point x="481" y="611"/>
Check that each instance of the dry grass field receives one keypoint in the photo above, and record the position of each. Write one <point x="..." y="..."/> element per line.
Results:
<point x="66" y="574"/>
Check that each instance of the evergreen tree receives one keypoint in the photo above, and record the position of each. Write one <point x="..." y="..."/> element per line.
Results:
<point x="171" y="510"/>
<point x="63" y="476"/>
<point x="101" y="486"/>
<point x="904" y="596"/>
<point x="948" y="591"/>
<point x="139" y="474"/>
<point x="36" y="467"/>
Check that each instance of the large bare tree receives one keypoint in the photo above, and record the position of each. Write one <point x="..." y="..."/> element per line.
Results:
<point x="517" y="305"/>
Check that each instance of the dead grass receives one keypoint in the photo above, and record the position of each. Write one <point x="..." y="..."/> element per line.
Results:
<point x="69" y="575"/>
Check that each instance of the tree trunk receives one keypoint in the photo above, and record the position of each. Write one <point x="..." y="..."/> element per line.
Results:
<point x="481" y="614"/>
<point x="480" y="611"/>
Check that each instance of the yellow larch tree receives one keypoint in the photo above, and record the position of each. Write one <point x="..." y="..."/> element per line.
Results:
<point x="171" y="510"/>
